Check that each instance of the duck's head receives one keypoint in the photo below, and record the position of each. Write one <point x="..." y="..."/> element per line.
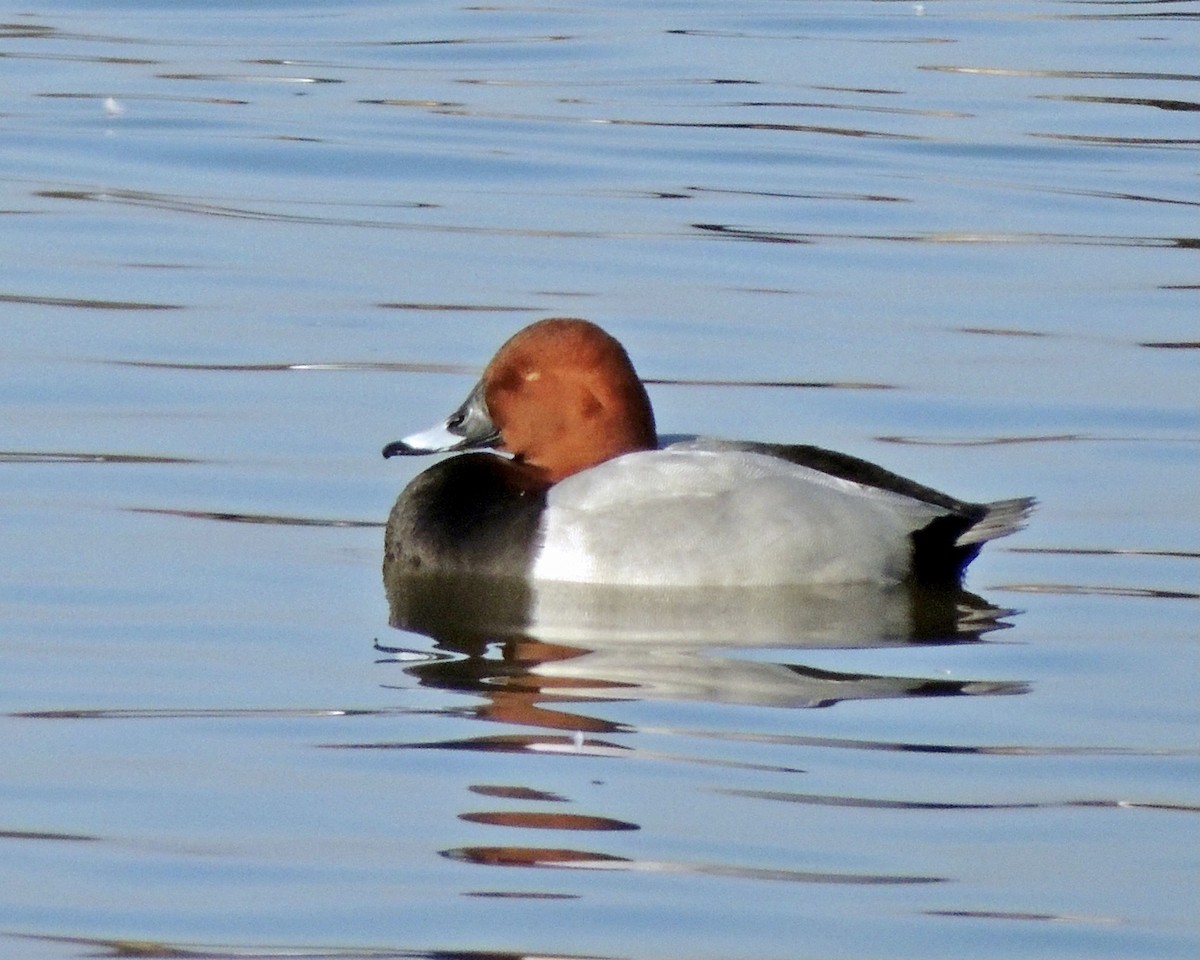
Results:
<point x="559" y="396"/>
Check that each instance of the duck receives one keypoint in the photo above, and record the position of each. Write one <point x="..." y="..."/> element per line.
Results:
<point x="558" y="474"/>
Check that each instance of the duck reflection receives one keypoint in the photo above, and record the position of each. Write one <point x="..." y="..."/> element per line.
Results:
<point x="529" y="647"/>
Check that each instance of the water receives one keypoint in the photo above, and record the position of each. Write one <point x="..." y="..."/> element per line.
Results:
<point x="245" y="245"/>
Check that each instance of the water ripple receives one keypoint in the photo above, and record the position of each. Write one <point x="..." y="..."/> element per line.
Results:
<point x="1159" y="104"/>
<point x="30" y="456"/>
<point x="1031" y="238"/>
<point x="807" y="195"/>
<point x="853" y="108"/>
<point x="209" y="208"/>
<point x="264" y="518"/>
<point x="181" y="204"/>
<point x="1096" y="590"/>
<point x="43" y="835"/>
<point x="85" y="303"/>
<point x="1107" y="552"/>
<point x="983" y="441"/>
<point x="147" y="97"/>
<point x="79" y="58"/>
<point x="208" y="713"/>
<point x="785" y="384"/>
<point x="989" y="750"/>
<point x="247" y="78"/>
<point x="559" y="858"/>
<point x="456" y="369"/>
<point x="813" y="38"/>
<point x="1017" y="915"/>
<point x="764" y="126"/>
<point x="458" y="307"/>
<point x="388" y="367"/>
<point x="119" y="948"/>
<point x="870" y="803"/>
<point x="1064" y="74"/>
<point x="573" y="746"/>
<point x="1111" y="141"/>
<point x="1032" y="438"/>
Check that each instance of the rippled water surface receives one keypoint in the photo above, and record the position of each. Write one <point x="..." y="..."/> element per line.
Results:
<point x="242" y="245"/>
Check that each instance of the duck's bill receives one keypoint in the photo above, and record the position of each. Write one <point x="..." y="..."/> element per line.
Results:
<point x="469" y="427"/>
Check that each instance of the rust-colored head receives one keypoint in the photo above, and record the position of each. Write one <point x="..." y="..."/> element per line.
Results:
<point x="565" y="397"/>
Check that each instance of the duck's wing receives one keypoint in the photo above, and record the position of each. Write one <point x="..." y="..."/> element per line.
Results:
<point x="941" y="549"/>
<point x="845" y="467"/>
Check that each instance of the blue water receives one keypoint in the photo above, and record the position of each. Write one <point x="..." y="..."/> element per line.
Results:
<point x="242" y="246"/>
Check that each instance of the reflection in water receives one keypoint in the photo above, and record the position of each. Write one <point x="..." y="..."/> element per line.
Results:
<point x="528" y="649"/>
<point x="516" y="793"/>
<point x="456" y="607"/>
<point x="530" y="820"/>
<point x="559" y="641"/>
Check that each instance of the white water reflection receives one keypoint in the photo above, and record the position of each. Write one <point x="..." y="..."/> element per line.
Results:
<point x="823" y="616"/>
<point x="633" y="643"/>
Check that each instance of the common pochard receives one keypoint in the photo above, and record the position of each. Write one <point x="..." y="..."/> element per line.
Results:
<point x="579" y="490"/>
